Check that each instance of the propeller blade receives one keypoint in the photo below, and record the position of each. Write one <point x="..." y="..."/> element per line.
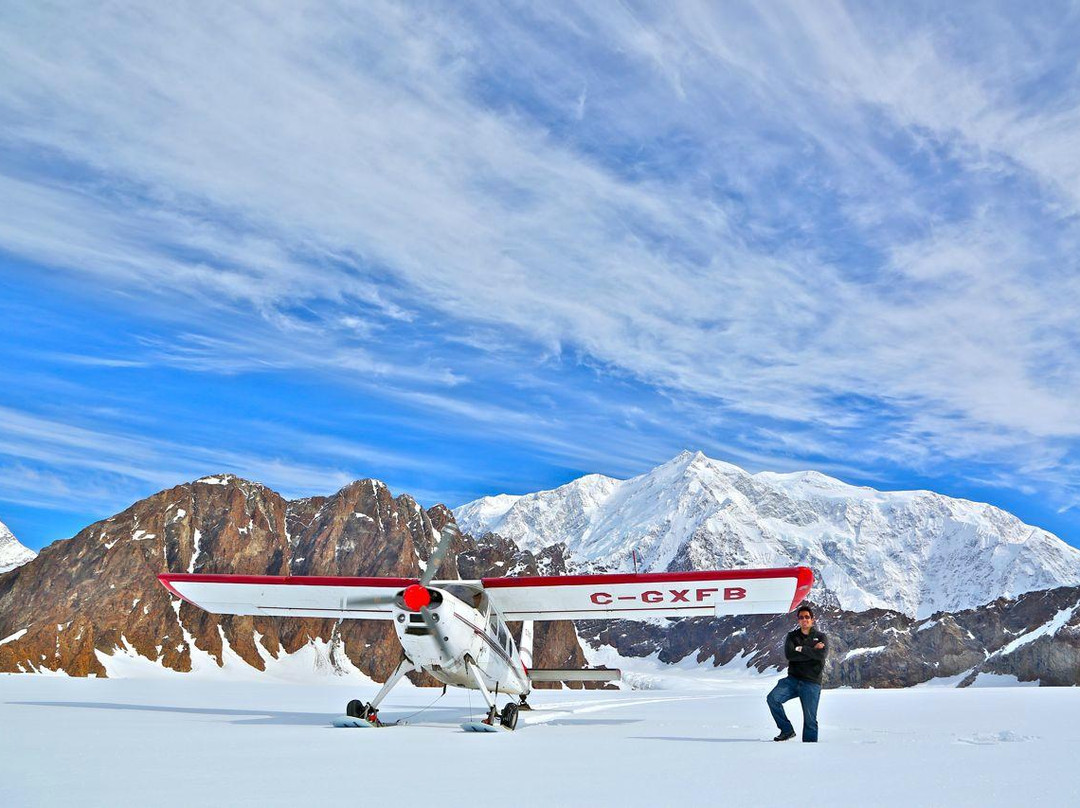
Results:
<point x="370" y="600"/>
<point x="436" y="559"/>
<point x="436" y="632"/>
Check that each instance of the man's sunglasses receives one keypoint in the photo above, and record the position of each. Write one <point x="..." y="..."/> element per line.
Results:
<point x="805" y="617"/>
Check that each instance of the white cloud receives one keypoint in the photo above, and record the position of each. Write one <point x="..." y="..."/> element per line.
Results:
<point x="52" y="461"/>
<point x="383" y="165"/>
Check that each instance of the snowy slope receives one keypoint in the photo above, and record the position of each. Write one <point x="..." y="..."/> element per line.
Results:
<point x="12" y="554"/>
<point x="912" y="551"/>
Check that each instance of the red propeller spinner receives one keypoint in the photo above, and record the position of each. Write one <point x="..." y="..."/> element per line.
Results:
<point x="416" y="597"/>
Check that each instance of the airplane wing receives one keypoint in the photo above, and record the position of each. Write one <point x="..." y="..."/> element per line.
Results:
<point x="288" y="596"/>
<point x="656" y="594"/>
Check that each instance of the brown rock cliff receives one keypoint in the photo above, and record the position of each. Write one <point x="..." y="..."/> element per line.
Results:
<point x="98" y="591"/>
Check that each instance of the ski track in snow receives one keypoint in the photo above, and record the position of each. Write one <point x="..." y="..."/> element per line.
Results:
<point x="213" y="741"/>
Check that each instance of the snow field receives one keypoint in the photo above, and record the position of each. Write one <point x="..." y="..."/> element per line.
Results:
<point x="175" y="739"/>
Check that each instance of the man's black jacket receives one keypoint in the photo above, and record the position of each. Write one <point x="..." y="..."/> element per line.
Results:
<point x="807" y="663"/>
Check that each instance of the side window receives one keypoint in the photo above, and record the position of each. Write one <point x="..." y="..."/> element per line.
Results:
<point x="493" y="625"/>
<point x="503" y="638"/>
<point x="480" y="601"/>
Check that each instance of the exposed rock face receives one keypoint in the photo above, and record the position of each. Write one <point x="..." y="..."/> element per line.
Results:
<point x="98" y="591"/>
<point x="1035" y="637"/>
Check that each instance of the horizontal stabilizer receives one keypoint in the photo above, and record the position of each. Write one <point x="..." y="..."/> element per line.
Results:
<point x="575" y="675"/>
<point x="697" y="593"/>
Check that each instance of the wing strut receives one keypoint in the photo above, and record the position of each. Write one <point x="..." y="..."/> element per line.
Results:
<point x="525" y="647"/>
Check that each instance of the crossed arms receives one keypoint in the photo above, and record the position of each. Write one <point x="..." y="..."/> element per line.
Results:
<point x="797" y="650"/>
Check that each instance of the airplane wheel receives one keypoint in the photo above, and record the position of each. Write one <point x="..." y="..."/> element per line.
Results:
<point x="357" y="709"/>
<point x="509" y="715"/>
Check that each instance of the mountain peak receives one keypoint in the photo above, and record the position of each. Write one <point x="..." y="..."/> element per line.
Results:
<point x="913" y="552"/>
<point x="696" y="463"/>
<point x="223" y="479"/>
<point x="96" y="594"/>
<point x="227" y="479"/>
<point x="12" y="552"/>
<point x="686" y="456"/>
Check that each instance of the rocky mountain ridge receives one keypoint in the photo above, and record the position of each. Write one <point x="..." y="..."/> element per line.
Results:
<point x="84" y="599"/>
<point x="915" y="552"/>
<point x="1032" y="638"/>
<point x="89" y="600"/>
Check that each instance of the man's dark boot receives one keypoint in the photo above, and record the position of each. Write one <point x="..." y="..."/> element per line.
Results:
<point x="784" y="736"/>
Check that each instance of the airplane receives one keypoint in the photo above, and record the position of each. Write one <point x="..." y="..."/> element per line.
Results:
<point x="455" y="630"/>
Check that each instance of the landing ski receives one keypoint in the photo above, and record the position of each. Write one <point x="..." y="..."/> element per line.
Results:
<point x="355" y="721"/>
<point x="480" y="726"/>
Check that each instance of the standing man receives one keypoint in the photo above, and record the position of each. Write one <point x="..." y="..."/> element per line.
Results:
<point x="805" y="649"/>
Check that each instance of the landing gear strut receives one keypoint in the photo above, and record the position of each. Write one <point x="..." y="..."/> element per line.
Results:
<point x="508" y="716"/>
<point x="370" y="712"/>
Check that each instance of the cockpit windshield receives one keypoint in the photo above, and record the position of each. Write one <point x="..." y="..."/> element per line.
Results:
<point x="477" y="598"/>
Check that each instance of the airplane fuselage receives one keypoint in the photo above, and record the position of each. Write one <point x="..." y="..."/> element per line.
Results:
<point x="479" y="632"/>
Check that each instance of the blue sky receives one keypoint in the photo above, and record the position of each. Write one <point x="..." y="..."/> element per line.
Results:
<point x="473" y="250"/>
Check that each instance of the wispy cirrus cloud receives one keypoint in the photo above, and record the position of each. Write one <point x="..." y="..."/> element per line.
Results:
<point x="68" y="467"/>
<point x="834" y="235"/>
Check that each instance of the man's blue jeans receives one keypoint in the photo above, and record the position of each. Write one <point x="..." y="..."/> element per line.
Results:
<point x="808" y="693"/>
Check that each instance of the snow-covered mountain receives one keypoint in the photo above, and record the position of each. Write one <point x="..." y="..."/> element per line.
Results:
<point x="912" y="551"/>
<point x="12" y="553"/>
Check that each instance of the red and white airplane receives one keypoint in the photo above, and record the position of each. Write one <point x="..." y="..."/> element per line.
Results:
<point x="455" y="630"/>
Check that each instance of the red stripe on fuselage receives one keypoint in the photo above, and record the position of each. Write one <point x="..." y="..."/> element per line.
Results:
<point x="483" y="633"/>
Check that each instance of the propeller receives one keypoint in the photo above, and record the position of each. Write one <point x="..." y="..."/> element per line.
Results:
<point x="417" y="597"/>
<point x="436" y="559"/>
<point x="431" y="620"/>
<point x="371" y="600"/>
<point x="420" y="596"/>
